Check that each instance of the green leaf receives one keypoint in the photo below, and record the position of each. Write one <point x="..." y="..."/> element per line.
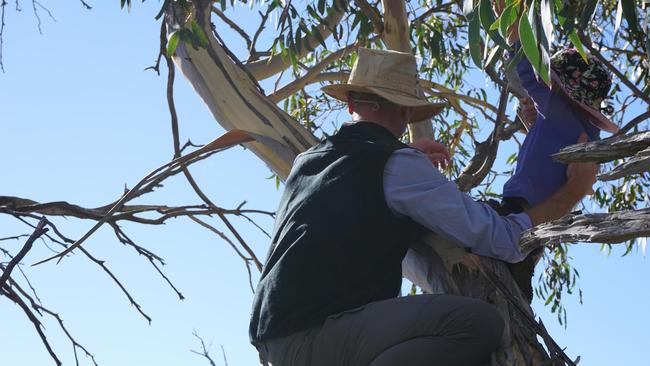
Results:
<point x="474" y="39"/>
<point x="487" y="18"/>
<point x="199" y="34"/>
<point x="468" y="7"/>
<point x="162" y="10"/>
<point x="531" y="49"/>
<point x="619" y="16"/>
<point x="546" y="15"/>
<point x="172" y="43"/>
<point x="507" y="19"/>
<point x="588" y="13"/>
<point x="629" y="11"/>
<point x="515" y="60"/>
<point x="577" y="43"/>
<point x="321" y="6"/>
<point x="493" y="56"/>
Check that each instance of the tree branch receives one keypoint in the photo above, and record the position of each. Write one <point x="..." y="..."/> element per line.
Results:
<point x="372" y="14"/>
<point x="615" y="227"/>
<point x="38" y="232"/>
<point x="485" y="152"/>
<point x="313" y="72"/>
<point x="601" y="151"/>
<point x="265" y="68"/>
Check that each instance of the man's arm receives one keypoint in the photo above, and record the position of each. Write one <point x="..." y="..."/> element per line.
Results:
<point x="413" y="187"/>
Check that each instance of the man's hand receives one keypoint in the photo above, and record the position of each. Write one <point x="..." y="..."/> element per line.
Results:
<point x="435" y="151"/>
<point x="582" y="176"/>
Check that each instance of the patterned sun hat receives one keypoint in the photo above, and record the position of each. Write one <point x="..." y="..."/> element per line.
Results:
<point x="586" y="84"/>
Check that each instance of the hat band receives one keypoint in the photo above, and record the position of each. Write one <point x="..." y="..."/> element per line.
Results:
<point x="387" y="87"/>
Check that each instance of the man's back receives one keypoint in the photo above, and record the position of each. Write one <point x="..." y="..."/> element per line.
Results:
<point x="336" y="244"/>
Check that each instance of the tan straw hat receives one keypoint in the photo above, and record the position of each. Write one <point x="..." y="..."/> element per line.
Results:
<point x="391" y="75"/>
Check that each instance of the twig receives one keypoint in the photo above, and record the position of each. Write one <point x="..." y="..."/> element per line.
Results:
<point x="205" y="351"/>
<point x="234" y="26"/>
<point x="40" y="230"/>
<point x="7" y="291"/>
<point x="635" y="121"/>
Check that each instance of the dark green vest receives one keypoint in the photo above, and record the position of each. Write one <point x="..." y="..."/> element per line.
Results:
<point x="336" y="244"/>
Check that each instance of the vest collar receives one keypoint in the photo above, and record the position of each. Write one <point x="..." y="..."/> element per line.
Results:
<point x="371" y="130"/>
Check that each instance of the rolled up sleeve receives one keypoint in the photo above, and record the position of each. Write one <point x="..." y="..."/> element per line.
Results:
<point x="413" y="187"/>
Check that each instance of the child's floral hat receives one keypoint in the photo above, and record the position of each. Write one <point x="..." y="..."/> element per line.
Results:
<point x="586" y="84"/>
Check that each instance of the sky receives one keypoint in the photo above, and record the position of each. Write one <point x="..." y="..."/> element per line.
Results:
<point x="80" y="119"/>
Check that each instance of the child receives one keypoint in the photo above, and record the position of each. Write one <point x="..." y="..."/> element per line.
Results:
<point x="571" y="108"/>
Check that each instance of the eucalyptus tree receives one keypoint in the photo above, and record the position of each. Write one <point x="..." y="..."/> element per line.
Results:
<point x="298" y="46"/>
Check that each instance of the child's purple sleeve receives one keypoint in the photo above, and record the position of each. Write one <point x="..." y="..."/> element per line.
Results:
<point x="538" y="91"/>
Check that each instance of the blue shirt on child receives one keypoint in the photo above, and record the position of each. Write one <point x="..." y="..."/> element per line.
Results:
<point x="537" y="175"/>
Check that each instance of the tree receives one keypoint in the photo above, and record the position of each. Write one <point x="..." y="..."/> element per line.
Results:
<point x="313" y="49"/>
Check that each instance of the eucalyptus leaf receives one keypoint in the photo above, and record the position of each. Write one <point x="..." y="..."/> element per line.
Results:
<point x="577" y="43"/>
<point x="619" y="16"/>
<point x="474" y="39"/>
<point x="487" y="18"/>
<point x="629" y="11"/>
<point x="588" y="13"/>
<point x="172" y="43"/>
<point x="532" y="51"/>
<point x="162" y="10"/>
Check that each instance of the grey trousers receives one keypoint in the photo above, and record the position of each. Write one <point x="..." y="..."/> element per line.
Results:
<point x="431" y="330"/>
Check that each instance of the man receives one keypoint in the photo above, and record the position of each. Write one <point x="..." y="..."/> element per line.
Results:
<point x="328" y="291"/>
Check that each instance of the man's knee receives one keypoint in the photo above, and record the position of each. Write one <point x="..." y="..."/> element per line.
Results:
<point x="484" y="323"/>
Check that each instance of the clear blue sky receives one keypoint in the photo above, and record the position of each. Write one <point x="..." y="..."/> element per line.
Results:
<point x="79" y="119"/>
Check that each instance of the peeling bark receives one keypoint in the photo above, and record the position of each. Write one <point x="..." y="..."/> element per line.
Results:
<point x="608" y="149"/>
<point x="637" y="164"/>
<point x="615" y="227"/>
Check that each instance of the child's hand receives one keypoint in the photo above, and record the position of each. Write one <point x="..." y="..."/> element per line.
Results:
<point x="435" y="151"/>
<point x="527" y="112"/>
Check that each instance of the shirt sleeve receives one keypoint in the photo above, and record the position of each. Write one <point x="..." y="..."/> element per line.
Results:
<point x="413" y="187"/>
<point x="537" y="90"/>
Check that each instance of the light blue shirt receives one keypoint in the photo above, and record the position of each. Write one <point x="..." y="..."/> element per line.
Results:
<point x="414" y="187"/>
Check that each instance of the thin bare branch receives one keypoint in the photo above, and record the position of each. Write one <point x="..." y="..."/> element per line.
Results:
<point x="38" y="232"/>
<point x="485" y="152"/>
<point x="234" y="26"/>
<point x="205" y="351"/>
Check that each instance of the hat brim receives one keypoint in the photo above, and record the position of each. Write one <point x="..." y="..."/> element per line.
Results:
<point x="597" y="118"/>
<point x="422" y="109"/>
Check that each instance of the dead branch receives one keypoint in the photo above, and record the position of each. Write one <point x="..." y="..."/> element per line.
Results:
<point x="615" y="227"/>
<point x="205" y="351"/>
<point x="637" y="164"/>
<point x="615" y="147"/>
<point x="38" y="232"/>
<point x="234" y="26"/>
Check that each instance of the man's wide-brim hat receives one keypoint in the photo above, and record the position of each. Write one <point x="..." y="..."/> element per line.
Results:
<point x="585" y="84"/>
<point x="391" y="75"/>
